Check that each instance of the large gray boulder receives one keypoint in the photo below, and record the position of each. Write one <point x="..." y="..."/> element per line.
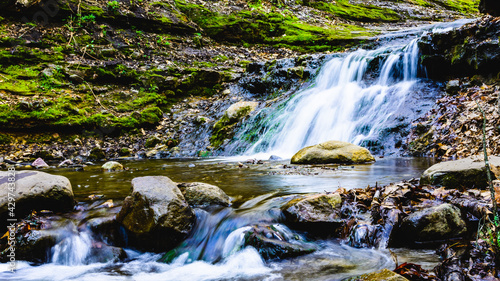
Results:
<point x="469" y="172"/>
<point x="199" y="194"/>
<point x="432" y="224"/>
<point x="319" y="212"/>
<point x="337" y="152"/>
<point x="34" y="191"/>
<point x="155" y="214"/>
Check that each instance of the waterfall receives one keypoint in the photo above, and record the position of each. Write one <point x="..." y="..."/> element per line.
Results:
<point x="344" y="104"/>
<point x="366" y="97"/>
<point x="73" y="249"/>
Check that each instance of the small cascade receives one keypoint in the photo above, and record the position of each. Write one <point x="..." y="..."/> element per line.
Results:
<point x="366" y="97"/>
<point x="73" y="249"/>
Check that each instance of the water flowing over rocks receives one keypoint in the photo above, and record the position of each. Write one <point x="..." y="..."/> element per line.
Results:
<point x="276" y="241"/>
<point x="35" y="191"/>
<point x="224" y="128"/>
<point x="467" y="173"/>
<point x="155" y="214"/>
<point x="199" y="194"/>
<point x="333" y="152"/>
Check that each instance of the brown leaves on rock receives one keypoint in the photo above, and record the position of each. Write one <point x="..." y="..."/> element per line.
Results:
<point x="453" y="128"/>
<point x="413" y="271"/>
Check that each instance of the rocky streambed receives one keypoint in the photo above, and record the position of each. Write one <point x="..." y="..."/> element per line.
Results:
<point x="249" y="220"/>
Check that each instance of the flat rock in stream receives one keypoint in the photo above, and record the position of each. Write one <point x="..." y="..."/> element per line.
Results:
<point x="34" y="191"/>
<point x="335" y="152"/>
<point x="469" y="172"/>
<point x="318" y="212"/>
<point x="199" y="194"/>
<point x="381" y="275"/>
<point x="155" y="214"/>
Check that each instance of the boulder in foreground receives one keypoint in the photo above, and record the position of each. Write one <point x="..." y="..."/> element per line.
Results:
<point x="469" y="172"/>
<point x="335" y="152"/>
<point x="34" y="191"/>
<point x="155" y="214"/>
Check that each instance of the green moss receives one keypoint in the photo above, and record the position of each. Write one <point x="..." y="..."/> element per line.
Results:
<point x="5" y="139"/>
<point x="366" y="13"/>
<point x="462" y="6"/>
<point x="151" y="115"/>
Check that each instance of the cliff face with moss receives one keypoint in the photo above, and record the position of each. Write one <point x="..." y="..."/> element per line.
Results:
<point x="81" y="69"/>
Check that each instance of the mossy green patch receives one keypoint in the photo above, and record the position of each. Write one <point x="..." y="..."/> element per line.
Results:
<point x="366" y="13"/>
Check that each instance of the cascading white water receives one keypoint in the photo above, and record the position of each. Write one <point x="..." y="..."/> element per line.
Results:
<point x="343" y="104"/>
<point x="360" y="97"/>
<point x="73" y="249"/>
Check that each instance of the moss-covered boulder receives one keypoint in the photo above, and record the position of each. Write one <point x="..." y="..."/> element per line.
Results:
<point x="469" y="172"/>
<point x="431" y="224"/>
<point x="199" y="194"/>
<point x="34" y="191"/>
<point x="224" y="128"/>
<point x="338" y="152"/>
<point x="155" y="214"/>
<point x="318" y="212"/>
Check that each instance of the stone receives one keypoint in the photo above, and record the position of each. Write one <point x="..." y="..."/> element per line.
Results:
<point x="35" y="191"/>
<point x="97" y="154"/>
<point x="381" y="275"/>
<point x="33" y="246"/>
<point x="469" y="172"/>
<point x="39" y="163"/>
<point x="432" y="224"/>
<point x="452" y="87"/>
<point x="107" y="229"/>
<point x="155" y="214"/>
<point x="337" y="152"/>
<point x="199" y="194"/>
<point x="224" y="128"/>
<point x="240" y="109"/>
<point x="276" y="241"/>
<point x="152" y="142"/>
<point x="315" y="212"/>
<point x="112" y="166"/>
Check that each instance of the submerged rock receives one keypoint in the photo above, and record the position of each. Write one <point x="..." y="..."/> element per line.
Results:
<point x="112" y="166"/>
<point x="319" y="212"/>
<point x="366" y="236"/>
<point x="381" y="275"/>
<point x="469" y="172"/>
<point x="276" y="241"/>
<point x="35" y="191"/>
<point x="199" y="194"/>
<point x="333" y="152"/>
<point x="432" y="224"/>
<point x="155" y="214"/>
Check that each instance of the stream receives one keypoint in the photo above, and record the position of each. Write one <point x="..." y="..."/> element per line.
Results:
<point x="349" y="100"/>
<point x="213" y="250"/>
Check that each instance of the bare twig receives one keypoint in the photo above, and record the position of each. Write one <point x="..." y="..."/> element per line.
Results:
<point x="492" y="189"/>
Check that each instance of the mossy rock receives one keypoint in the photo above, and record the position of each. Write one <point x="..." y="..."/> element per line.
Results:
<point x="97" y="154"/>
<point x="337" y="152"/>
<point x="224" y="128"/>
